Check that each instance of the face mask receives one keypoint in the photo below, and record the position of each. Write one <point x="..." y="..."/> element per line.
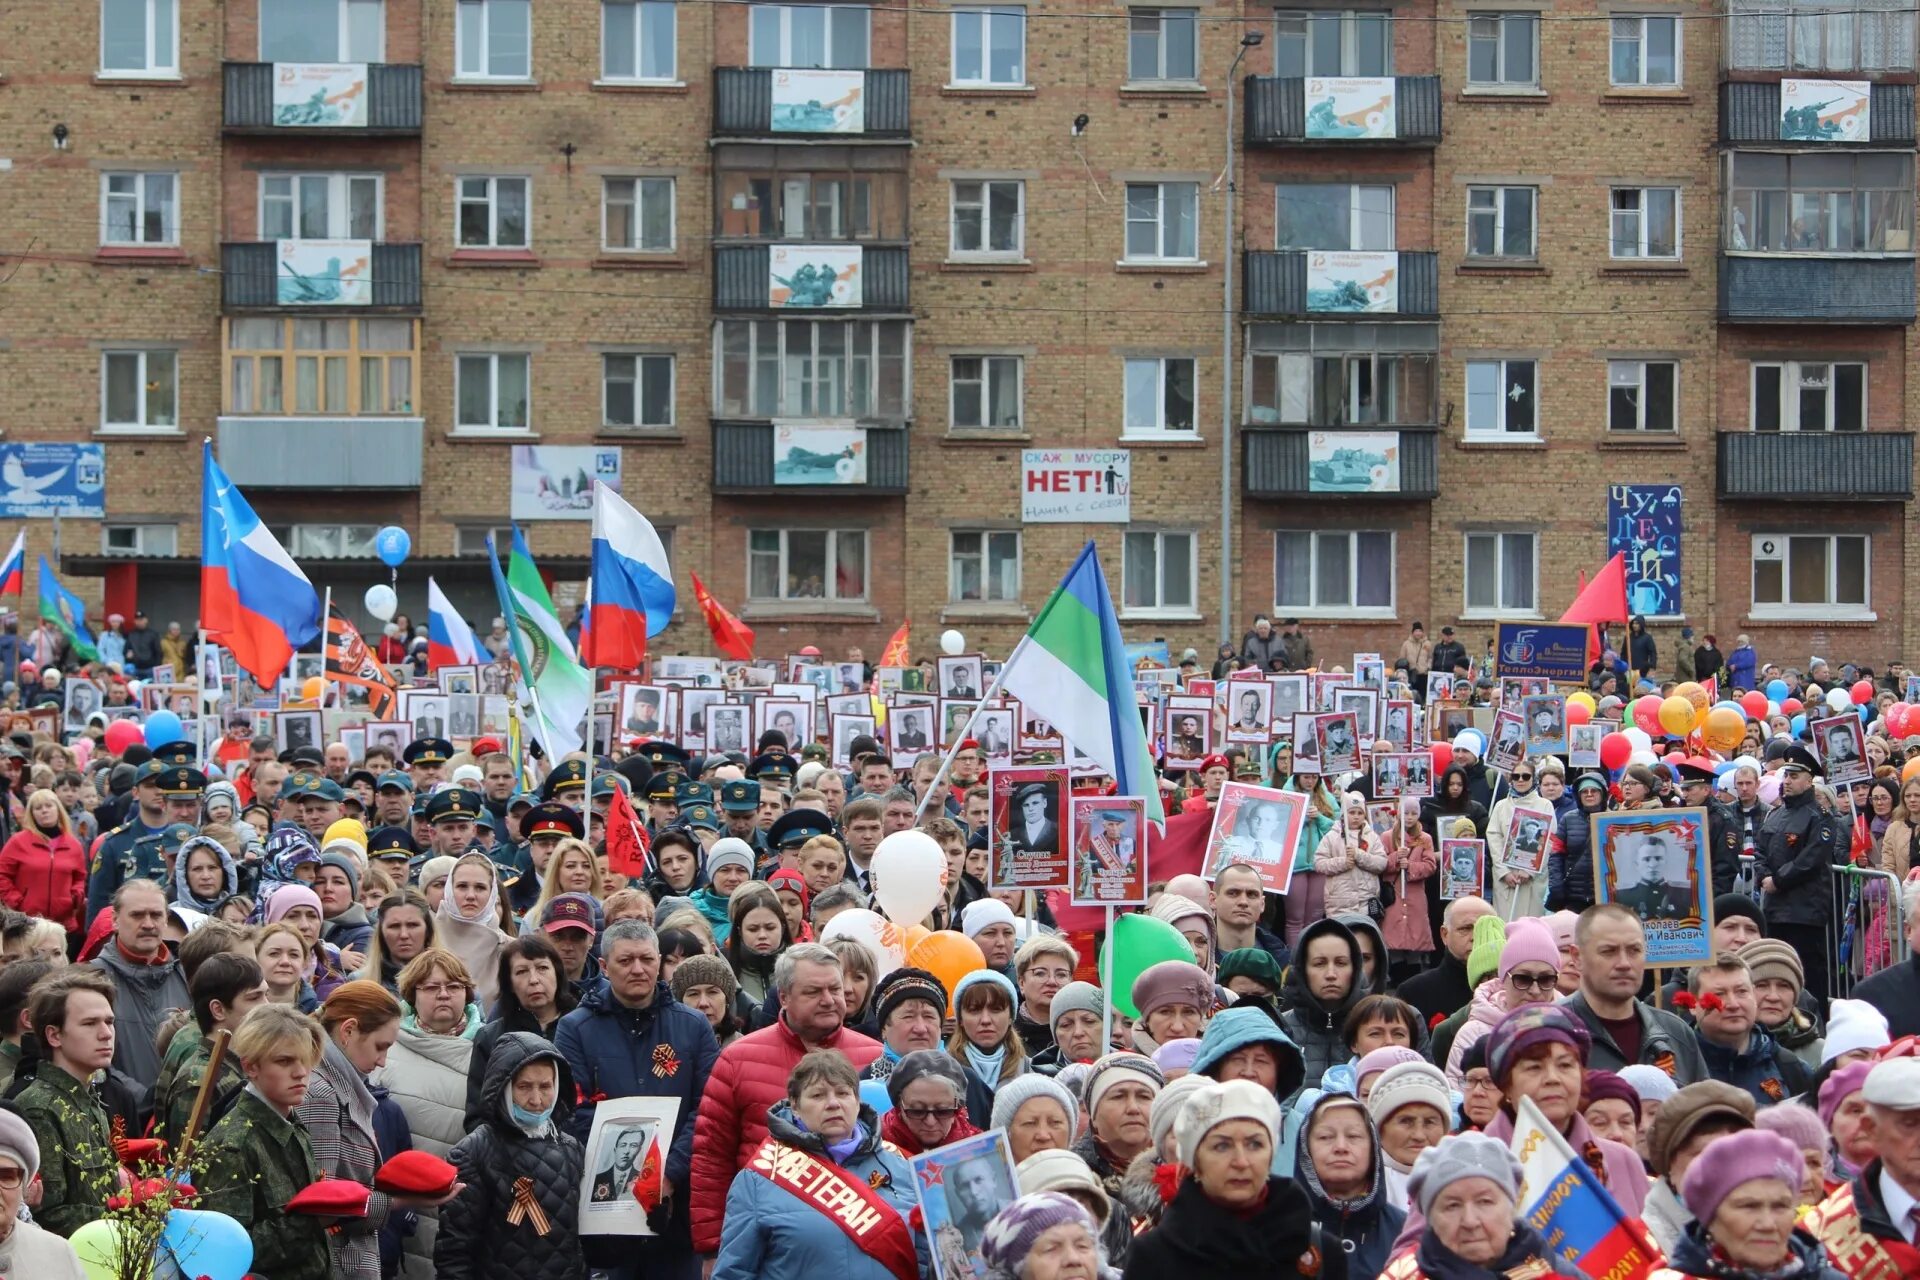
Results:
<point x="528" y="1120"/>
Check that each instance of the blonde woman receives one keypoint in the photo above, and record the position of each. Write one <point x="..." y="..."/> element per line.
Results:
<point x="285" y="958"/>
<point x="572" y="869"/>
<point x="43" y="869"/>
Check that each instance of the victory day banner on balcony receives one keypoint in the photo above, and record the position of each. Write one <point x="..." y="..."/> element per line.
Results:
<point x="819" y="101"/>
<point x="1351" y="107"/>
<point x="1643" y="525"/>
<point x="819" y="455"/>
<point x="335" y="273"/>
<point x="814" y="275"/>
<point x="1353" y="462"/>
<point x="1826" y="111"/>
<point x="1343" y="281"/>
<point x="320" y="95"/>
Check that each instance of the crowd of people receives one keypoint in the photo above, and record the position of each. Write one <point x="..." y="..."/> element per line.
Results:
<point x="301" y="965"/>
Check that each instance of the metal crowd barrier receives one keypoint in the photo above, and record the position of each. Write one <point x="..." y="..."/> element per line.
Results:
<point x="1866" y="931"/>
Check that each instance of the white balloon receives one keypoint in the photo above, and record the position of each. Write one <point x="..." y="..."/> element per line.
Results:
<point x="885" y="941"/>
<point x="1638" y="737"/>
<point x="909" y="876"/>
<point x="381" y="602"/>
<point x="952" y="642"/>
<point x="1642" y="757"/>
<point x="1839" y="699"/>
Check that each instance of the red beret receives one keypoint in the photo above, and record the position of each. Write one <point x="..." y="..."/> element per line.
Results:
<point x="968" y="744"/>
<point x="332" y="1198"/>
<point x="416" y="1173"/>
<point x="134" y="1151"/>
<point x="1214" y="761"/>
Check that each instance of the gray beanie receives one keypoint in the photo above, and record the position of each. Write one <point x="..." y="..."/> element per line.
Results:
<point x="1464" y="1155"/>
<point x="1075" y="995"/>
<point x="345" y="864"/>
<point x="704" y="971"/>
<point x="17" y="1140"/>
<point x="927" y="1062"/>
<point x="1024" y="1088"/>
<point x="729" y="851"/>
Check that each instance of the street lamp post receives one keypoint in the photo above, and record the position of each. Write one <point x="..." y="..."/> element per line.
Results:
<point x="1248" y="40"/>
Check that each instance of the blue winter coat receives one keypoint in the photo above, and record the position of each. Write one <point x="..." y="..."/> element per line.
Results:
<point x="771" y="1234"/>
<point x="665" y="1050"/>
<point x="1765" y="1071"/>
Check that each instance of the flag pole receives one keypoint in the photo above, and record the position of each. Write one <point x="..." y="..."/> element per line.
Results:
<point x="1106" y="984"/>
<point x="965" y="732"/>
<point x="326" y="615"/>
<point x="200" y="725"/>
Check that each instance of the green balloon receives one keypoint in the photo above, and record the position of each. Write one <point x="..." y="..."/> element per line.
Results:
<point x="1138" y="943"/>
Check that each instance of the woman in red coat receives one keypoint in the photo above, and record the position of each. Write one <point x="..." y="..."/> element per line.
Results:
<point x="43" y="869"/>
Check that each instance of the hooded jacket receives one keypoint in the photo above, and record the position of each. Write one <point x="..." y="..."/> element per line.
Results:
<point x="1570" y="872"/>
<point x="45" y="876"/>
<point x="143" y="996"/>
<point x="1274" y="1241"/>
<point x="1366" y="1226"/>
<point x="1313" y="1026"/>
<point x="1352" y="867"/>
<point x="1377" y="977"/>
<point x="427" y="1076"/>
<point x="230" y="883"/>
<point x="477" y="1239"/>
<point x="351" y="928"/>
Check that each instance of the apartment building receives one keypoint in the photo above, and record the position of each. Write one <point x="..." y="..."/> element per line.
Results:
<point x="880" y="312"/>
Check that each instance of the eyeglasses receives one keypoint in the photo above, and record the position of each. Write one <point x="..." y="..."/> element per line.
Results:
<point x="1534" y="981"/>
<point x="438" y="988"/>
<point x="11" y="1178"/>
<point x="929" y="1113"/>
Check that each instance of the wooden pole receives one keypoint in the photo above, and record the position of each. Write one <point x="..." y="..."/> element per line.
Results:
<point x="202" y="1100"/>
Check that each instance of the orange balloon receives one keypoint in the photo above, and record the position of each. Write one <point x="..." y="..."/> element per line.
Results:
<point x="948" y="956"/>
<point x="916" y="934"/>
<point x="1910" y="770"/>
<point x="314" y="689"/>
<point x="1696" y="694"/>
<point x="1723" y="729"/>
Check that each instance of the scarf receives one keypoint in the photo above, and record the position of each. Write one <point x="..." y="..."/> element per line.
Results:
<point x="894" y="1130"/>
<point x="986" y="1065"/>
<point x="1526" y="1253"/>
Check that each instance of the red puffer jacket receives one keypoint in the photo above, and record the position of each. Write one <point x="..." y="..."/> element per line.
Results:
<point x="749" y="1076"/>
<point x="45" y="876"/>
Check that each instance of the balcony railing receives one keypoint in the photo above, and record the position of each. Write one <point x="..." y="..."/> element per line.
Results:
<point x="751" y="457"/>
<point x="347" y="454"/>
<point x="325" y="275"/>
<point x="1402" y="111"/>
<point x="755" y="102"/>
<point x="810" y="277"/>
<point x="1347" y="462"/>
<point x="1326" y="285"/>
<point x="1832" y="466"/>
<point x="341" y="99"/>
<point x="1750" y="113"/>
<point x="1762" y="289"/>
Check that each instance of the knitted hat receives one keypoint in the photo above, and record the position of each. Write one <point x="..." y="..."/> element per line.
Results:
<point x="1214" y="1105"/>
<point x="1009" y="1097"/>
<point x="1463" y="1155"/>
<point x="1796" y="1122"/>
<point x="1840" y="1086"/>
<point x="1013" y="1232"/>
<point x="290" y="895"/>
<point x="1772" y="958"/>
<point x="1250" y="962"/>
<point x="903" y="985"/>
<point x="17" y="1140"/>
<point x="1172" y="982"/>
<point x="1381" y="1059"/>
<point x="1489" y="940"/>
<point x="1167" y="1104"/>
<point x="1561" y="924"/>
<point x="1603" y="1085"/>
<point x="792" y="881"/>
<point x="1120" y="1068"/>
<point x="1689" y="1108"/>
<point x="987" y="977"/>
<point x="1407" y="1084"/>
<point x="985" y="913"/>
<point x="336" y="856"/>
<point x="1527" y="940"/>
<point x="1739" y="904"/>
<point x="1470" y="740"/>
<point x="1854" y="1024"/>
<point x="922" y="1063"/>
<point x="729" y="851"/>
<point x="704" y="971"/>
<point x="1648" y="1082"/>
<point x="1737" y="1159"/>
<point x="1174" y="909"/>
<point x="1063" y="1171"/>
<point x="1528" y="1026"/>
<point x="440" y="868"/>
<point x="1177" y="1055"/>
<point x="1075" y="995"/>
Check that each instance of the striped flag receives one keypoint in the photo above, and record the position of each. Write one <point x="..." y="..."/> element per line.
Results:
<point x="1562" y="1199"/>
<point x="449" y="639"/>
<point x="349" y="661"/>
<point x="68" y="614"/>
<point x="13" y="572"/>
<point x="548" y="668"/>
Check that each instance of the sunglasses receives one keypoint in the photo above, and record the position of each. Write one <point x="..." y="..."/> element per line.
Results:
<point x="929" y="1113"/>
<point x="1534" y="981"/>
<point x="1523" y="777"/>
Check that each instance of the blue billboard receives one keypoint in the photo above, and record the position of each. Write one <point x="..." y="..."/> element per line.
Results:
<point x="42" y="480"/>
<point x="1556" y="652"/>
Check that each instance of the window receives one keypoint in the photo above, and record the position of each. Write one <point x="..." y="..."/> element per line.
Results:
<point x="1157" y="573"/>
<point x="1501" y="398"/>
<point x="323" y="31"/>
<point x="139" y="391"/>
<point x="329" y="541"/>
<point x="1333" y="572"/>
<point x="1643" y="395"/>
<point x="320" y="206"/>
<point x="1500" y="222"/>
<point x="1163" y="221"/>
<point x="812" y="369"/>
<point x="1333" y="215"/>
<point x="1161" y="45"/>
<point x="984" y="567"/>
<point x="821" y="36"/>
<point x="637" y="390"/>
<point x="139" y="540"/>
<point x="493" y="213"/>
<point x="1646" y="222"/>
<point x="637" y="40"/>
<point x="1646" y="50"/>
<point x="636" y="215"/>
<point x="811" y="193"/>
<point x="1813" y="35"/>
<point x="1794" y="396"/>
<point x="495" y="39"/>
<point x="990" y="47"/>
<point x="806" y="564"/>
<point x="1332" y="43"/>
<point x="471" y="540"/>
<point x="1500" y="572"/>
<point x="1159" y="396"/>
<point x="139" y="208"/>
<point x="986" y="392"/>
<point x="989" y="218"/>
<point x="1501" y="50"/>
<point x="1811" y="575"/>
<point x="492" y="392"/>
<point x="1337" y="375"/>
<point x="139" y="38"/>
<point x="279" y="365"/>
<point x="1820" y="202"/>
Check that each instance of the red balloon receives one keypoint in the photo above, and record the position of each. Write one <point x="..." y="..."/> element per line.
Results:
<point x="122" y="734"/>
<point x="1792" y="707"/>
<point x="1615" y="750"/>
<point x="1646" y="714"/>
<point x="1442" y="753"/>
<point x="1754" y="703"/>
<point x="1896" y="717"/>
<point x="1862" y="692"/>
<point x="1577" y="713"/>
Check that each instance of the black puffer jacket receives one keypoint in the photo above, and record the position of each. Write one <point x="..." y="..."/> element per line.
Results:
<point x="476" y="1242"/>
<point x="1313" y="1025"/>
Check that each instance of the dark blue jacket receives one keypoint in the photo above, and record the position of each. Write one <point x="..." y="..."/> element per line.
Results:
<point x="12" y="654"/>
<point x="393" y="1135"/>
<point x="665" y="1050"/>
<point x="1763" y="1070"/>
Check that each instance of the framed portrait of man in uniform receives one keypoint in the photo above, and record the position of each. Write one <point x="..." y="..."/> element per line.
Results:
<point x="1109" y="851"/>
<point x="630" y="1139"/>
<point x="1654" y="863"/>
<point x="1027" y="826"/>
<point x="1842" y="748"/>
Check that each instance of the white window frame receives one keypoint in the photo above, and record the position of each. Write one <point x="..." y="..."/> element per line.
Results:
<point x="160" y="64"/>
<point x="1160" y="430"/>
<point x="1160" y="14"/>
<point x="148" y="539"/>
<point x="294" y="537"/>
<point x="471" y="539"/>
<point x="781" y="354"/>
<point x="1314" y="608"/>
<point x="1160" y="608"/>
<point x="1356" y="216"/>
<point x="1501" y="608"/>
<point x="1160" y="223"/>
<point x="989" y="594"/>
<point x="1638" y="37"/>
<point x="1349" y="20"/>
<point x="492" y="425"/>
<point x="170" y="229"/>
<point x="640" y="48"/>
<point x="1499" y="211"/>
<point x="642" y="362"/>
<point x="466" y="11"/>
<point x="1793" y="380"/>
<point x="1635" y="374"/>
<point x="1619" y="219"/>
<point x="1501" y="82"/>
<point x="1823" y="611"/>
<point x="834" y="14"/>
<point x="639" y="182"/>
<point x="142" y="356"/>
<point x="492" y="201"/>
<point x="1499" y="431"/>
<point x="984" y="18"/>
<point x="830" y="579"/>
<point x="986" y="253"/>
<point x="343" y="50"/>
<point x="989" y="361"/>
<point x="339" y="200"/>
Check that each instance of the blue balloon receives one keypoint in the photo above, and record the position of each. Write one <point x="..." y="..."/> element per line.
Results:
<point x="1798" y="725"/>
<point x="1732" y="706"/>
<point x="874" y="1094"/>
<point x="393" y="545"/>
<point x="204" y="1243"/>
<point x="162" y="727"/>
<point x="1778" y="691"/>
<point x="1866" y="713"/>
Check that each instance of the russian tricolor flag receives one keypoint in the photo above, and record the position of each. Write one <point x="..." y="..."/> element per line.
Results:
<point x="630" y="592"/>
<point x="253" y="598"/>
<point x="13" y="574"/>
<point x="1562" y="1199"/>
<point x="449" y="639"/>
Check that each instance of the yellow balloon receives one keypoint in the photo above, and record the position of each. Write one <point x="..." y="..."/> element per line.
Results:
<point x="1723" y="729"/>
<point x="314" y="689"/>
<point x="1677" y="716"/>
<point x="1694" y="693"/>
<point x="98" y="1246"/>
<point x="1583" y="698"/>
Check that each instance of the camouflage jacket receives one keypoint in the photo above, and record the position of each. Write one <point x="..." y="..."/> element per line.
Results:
<point x="257" y="1160"/>
<point x="78" y="1167"/>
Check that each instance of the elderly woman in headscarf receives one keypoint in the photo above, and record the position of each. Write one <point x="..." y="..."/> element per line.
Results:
<point x="1338" y="1161"/>
<point x="1843" y="1110"/>
<point x="1466" y="1190"/>
<point x="467" y="922"/>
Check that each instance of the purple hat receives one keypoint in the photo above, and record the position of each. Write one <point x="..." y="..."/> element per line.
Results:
<point x="1529" y="1026"/>
<point x="1013" y="1232"/>
<point x="1602" y="1085"/>
<point x="1177" y="1055"/>
<point x="1380" y="1059"/>
<point x="1796" y="1122"/>
<point x="1739" y="1158"/>
<point x="1839" y="1086"/>
<point x="1172" y="982"/>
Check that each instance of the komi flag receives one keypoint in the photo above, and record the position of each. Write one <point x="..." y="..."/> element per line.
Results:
<point x="560" y="689"/>
<point x="68" y="614"/>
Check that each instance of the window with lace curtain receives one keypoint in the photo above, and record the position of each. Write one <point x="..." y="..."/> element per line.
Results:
<point x="1817" y="35"/>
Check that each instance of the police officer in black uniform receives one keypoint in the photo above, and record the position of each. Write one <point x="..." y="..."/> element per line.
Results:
<point x="1799" y="845"/>
<point x="1723" y="827"/>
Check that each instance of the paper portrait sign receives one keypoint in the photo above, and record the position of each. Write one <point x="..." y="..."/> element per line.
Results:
<point x="1109" y="851"/>
<point x="1397" y="774"/>
<point x="1583" y="744"/>
<point x="1655" y="864"/>
<point x="910" y="733"/>
<point x="1843" y="750"/>
<point x="1364" y="703"/>
<point x="1028" y="826"/>
<point x="629" y="1140"/>
<point x="1461" y="864"/>
<point x="1396" y="729"/>
<point x="1545" y="718"/>
<point x="1337" y="742"/>
<point x="961" y="1187"/>
<point x="1249" y="708"/>
<point x="1529" y="836"/>
<point x="1189" y="731"/>
<point x="1507" y="744"/>
<point x="1259" y="826"/>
